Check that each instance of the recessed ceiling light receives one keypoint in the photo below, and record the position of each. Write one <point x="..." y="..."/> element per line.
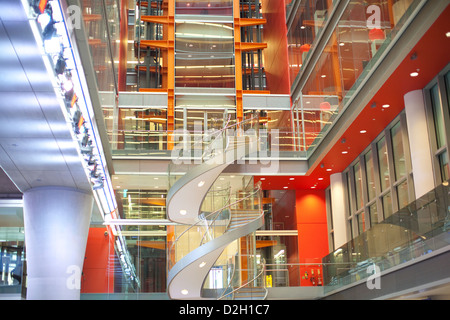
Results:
<point x="291" y="179"/>
<point x="285" y="187"/>
<point x="447" y="34"/>
<point x="386" y="106"/>
<point x="344" y="152"/>
<point x="324" y="76"/>
<point x="263" y="179"/>
<point x="342" y="44"/>
<point x="183" y="212"/>
<point x="363" y="131"/>
<point x="414" y="74"/>
<point x="320" y="179"/>
<point x="201" y="265"/>
<point x="184" y="292"/>
<point x="313" y="187"/>
<point x="329" y="170"/>
<point x="201" y="183"/>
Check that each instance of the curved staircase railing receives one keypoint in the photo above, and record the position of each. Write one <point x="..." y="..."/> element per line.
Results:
<point x="207" y="235"/>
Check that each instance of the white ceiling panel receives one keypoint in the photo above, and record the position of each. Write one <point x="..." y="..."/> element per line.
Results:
<point x="36" y="144"/>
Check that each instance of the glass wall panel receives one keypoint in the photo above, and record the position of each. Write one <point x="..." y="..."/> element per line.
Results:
<point x="443" y="163"/>
<point x="402" y="194"/>
<point x="398" y="152"/>
<point x="361" y="222"/>
<point x="383" y="164"/>
<point x="204" y="55"/>
<point x="373" y="213"/>
<point x="358" y="186"/>
<point x="371" y="189"/>
<point x="308" y="22"/>
<point x="102" y="29"/>
<point x="438" y="116"/>
<point x="447" y="86"/>
<point x="387" y="205"/>
<point x="361" y="36"/>
<point x="206" y="7"/>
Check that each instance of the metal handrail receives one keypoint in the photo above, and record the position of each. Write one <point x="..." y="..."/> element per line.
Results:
<point x="263" y="264"/>
<point x="258" y="189"/>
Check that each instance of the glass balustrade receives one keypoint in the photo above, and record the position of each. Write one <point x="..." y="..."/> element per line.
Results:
<point x="418" y="229"/>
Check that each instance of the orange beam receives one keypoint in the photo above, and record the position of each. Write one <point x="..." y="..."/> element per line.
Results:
<point x="245" y="22"/>
<point x="152" y="69"/>
<point x="163" y="44"/>
<point x="251" y="46"/>
<point x="156" y="19"/>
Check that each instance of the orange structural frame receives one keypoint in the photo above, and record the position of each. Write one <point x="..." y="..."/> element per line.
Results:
<point x="240" y="47"/>
<point x="167" y="46"/>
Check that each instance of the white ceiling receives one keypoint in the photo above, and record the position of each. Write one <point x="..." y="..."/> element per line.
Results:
<point x="36" y="147"/>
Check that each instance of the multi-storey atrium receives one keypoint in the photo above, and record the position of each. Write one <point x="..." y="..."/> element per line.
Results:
<point x="224" y="149"/>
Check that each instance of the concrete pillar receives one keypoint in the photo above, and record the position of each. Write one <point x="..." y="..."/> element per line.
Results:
<point x="56" y="223"/>
<point x="338" y="209"/>
<point x="419" y="141"/>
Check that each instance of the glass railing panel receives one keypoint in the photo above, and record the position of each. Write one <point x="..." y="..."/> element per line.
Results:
<point x="414" y="231"/>
<point x="360" y="39"/>
<point x="307" y="25"/>
<point x="101" y="23"/>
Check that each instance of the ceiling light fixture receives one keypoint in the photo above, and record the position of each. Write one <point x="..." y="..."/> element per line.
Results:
<point x="414" y="74"/>
<point x="201" y="265"/>
<point x="385" y="106"/>
<point x="344" y="152"/>
<point x="363" y="131"/>
<point x="184" y="292"/>
<point x="201" y="183"/>
<point x="183" y="212"/>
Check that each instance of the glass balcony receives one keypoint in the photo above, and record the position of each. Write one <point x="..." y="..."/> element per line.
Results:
<point x="359" y="40"/>
<point x="418" y="229"/>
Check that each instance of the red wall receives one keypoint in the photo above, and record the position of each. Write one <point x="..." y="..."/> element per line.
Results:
<point x="312" y="233"/>
<point x="276" y="54"/>
<point x="97" y="276"/>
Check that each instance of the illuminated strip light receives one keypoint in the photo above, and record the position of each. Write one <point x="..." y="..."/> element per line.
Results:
<point x="103" y="195"/>
<point x="62" y="42"/>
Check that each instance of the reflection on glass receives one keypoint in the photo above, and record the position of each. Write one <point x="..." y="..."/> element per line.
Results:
<point x="402" y="194"/>
<point x="349" y="183"/>
<point x="204" y="55"/>
<point x="373" y="213"/>
<point x="383" y="164"/>
<point x="206" y="7"/>
<point x="310" y="17"/>
<point x="357" y="42"/>
<point x="358" y="186"/>
<point x="398" y="152"/>
<point x="437" y="116"/>
<point x="370" y="175"/>
<point x="361" y="222"/>
<point x="443" y="163"/>
<point x="387" y="205"/>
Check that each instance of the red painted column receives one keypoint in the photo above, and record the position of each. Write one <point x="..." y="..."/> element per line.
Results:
<point x="312" y="234"/>
<point x="98" y="275"/>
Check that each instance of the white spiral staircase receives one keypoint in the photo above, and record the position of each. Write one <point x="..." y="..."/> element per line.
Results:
<point x="194" y="250"/>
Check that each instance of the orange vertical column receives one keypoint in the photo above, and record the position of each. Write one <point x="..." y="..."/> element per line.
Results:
<point x="171" y="74"/>
<point x="238" y="60"/>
